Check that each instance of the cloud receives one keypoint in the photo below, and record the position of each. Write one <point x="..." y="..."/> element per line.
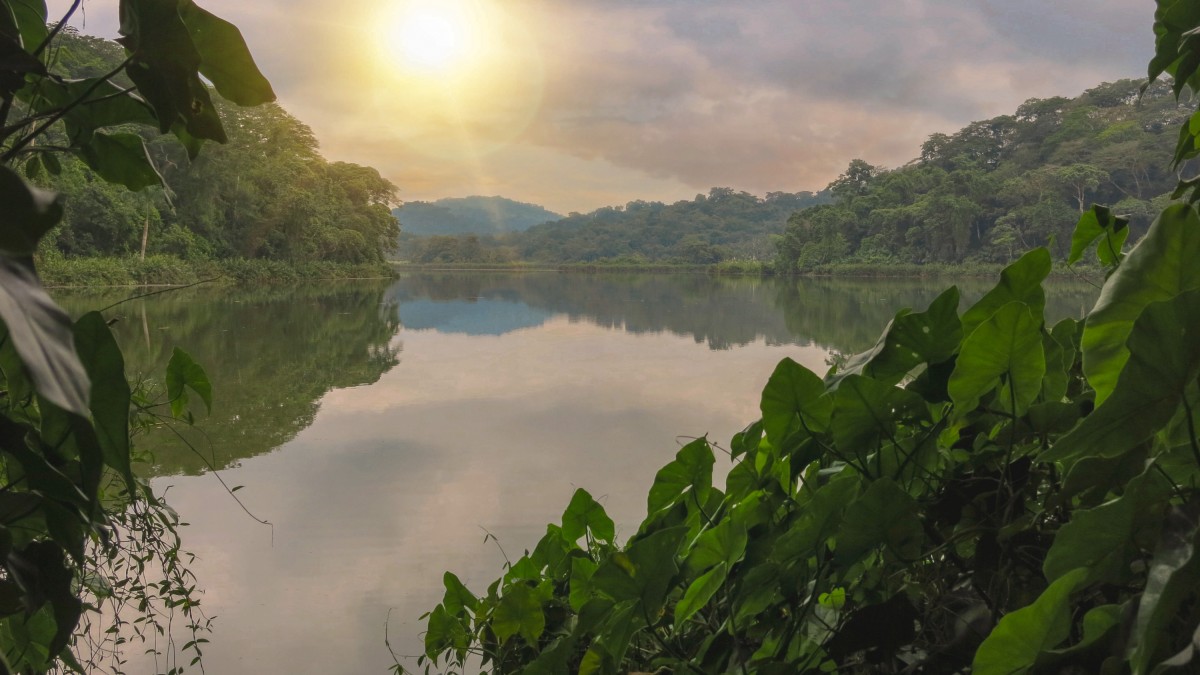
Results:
<point x="604" y="101"/>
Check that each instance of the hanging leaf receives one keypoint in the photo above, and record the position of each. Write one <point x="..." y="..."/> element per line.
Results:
<point x="121" y="159"/>
<point x="183" y="371"/>
<point x="224" y="58"/>
<point x="29" y="212"/>
<point x="909" y="340"/>
<point x="866" y="411"/>
<point x="110" y="395"/>
<point x="519" y="612"/>
<point x="699" y="593"/>
<point x="41" y="333"/>
<point x="885" y="515"/>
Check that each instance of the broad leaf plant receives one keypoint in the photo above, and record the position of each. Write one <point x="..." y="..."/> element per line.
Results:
<point x="88" y="554"/>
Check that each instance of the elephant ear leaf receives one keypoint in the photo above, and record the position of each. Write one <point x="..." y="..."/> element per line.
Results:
<point x="184" y="373"/>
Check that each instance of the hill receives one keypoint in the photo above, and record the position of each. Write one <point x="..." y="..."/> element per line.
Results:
<point x="471" y="215"/>
<point x="725" y="223"/>
<point x="1000" y="186"/>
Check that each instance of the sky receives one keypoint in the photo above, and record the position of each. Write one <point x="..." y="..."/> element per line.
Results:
<point x="578" y="104"/>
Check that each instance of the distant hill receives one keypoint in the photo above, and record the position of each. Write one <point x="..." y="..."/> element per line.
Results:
<point x="471" y="215"/>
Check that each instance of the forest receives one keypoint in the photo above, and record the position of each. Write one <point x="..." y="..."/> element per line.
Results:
<point x="267" y="193"/>
<point x="985" y="193"/>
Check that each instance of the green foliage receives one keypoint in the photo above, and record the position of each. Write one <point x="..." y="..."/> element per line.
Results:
<point x="980" y="492"/>
<point x="83" y="541"/>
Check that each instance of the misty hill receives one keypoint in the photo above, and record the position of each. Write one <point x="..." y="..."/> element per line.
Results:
<point x="471" y="215"/>
<point x="725" y="223"/>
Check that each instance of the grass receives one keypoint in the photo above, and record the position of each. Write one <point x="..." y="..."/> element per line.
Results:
<point x="164" y="270"/>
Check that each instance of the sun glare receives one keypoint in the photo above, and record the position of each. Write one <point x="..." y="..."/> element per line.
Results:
<point x="436" y="38"/>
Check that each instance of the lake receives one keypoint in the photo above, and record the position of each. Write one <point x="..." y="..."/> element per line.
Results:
<point x="385" y="428"/>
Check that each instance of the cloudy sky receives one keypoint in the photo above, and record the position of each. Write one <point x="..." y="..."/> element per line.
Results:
<point x="576" y="104"/>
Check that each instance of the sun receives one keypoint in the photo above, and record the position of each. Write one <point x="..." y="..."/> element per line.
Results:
<point x="432" y="38"/>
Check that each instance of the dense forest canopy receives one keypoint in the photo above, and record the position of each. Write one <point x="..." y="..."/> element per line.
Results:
<point x="1000" y="186"/>
<point x="982" y="194"/>
<point x="267" y="193"/>
<point x="725" y="223"/>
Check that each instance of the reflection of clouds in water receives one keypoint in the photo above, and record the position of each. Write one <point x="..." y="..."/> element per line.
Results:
<point x="392" y="483"/>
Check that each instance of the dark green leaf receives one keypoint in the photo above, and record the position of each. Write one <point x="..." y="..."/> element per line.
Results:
<point x="1104" y="540"/>
<point x="1019" y="282"/>
<point x="724" y="543"/>
<point x="28" y="213"/>
<point x="224" y="58"/>
<point x="1165" y="358"/>
<point x="458" y="597"/>
<point x="911" y="339"/>
<point x="792" y="402"/>
<point x="110" y="395"/>
<point x="183" y="372"/>
<point x="41" y="333"/>
<point x="582" y="570"/>
<point x="1161" y="266"/>
<point x="691" y="470"/>
<point x="699" y="593"/>
<point x="1021" y="636"/>
<point x="1172" y="579"/>
<point x="121" y="159"/>
<point x="1008" y="346"/>
<point x="30" y="16"/>
<point x="583" y="514"/>
<point x="865" y="411"/>
<point x="519" y="612"/>
<point x="1099" y="223"/>
<point x="884" y="515"/>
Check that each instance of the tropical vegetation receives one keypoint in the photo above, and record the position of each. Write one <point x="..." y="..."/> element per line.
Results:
<point x="90" y="559"/>
<point x="981" y="490"/>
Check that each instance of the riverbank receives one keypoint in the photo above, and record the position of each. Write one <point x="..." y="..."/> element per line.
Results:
<point x="163" y="270"/>
<point x="758" y="269"/>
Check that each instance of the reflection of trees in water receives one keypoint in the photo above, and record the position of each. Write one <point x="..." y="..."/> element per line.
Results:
<point x="271" y="354"/>
<point x="845" y="315"/>
<point x="848" y="315"/>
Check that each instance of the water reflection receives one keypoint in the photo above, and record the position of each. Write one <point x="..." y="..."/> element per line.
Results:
<point x="513" y="390"/>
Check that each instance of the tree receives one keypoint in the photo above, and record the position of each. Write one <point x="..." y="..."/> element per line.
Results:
<point x="65" y="416"/>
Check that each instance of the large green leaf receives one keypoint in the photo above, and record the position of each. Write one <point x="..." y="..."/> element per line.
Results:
<point x="121" y="159"/>
<point x="519" y="612"/>
<point x="866" y="411"/>
<point x="691" y="470"/>
<point x="28" y="213"/>
<point x="724" y="543"/>
<point x="1164" y="348"/>
<point x="820" y="518"/>
<point x="165" y="67"/>
<point x="41" y="333"/>
<point x="1019" y="282"/>
<point x="458" y="597"/>
<point x="110" y="395"/>
<point x="1162" y="265"/>
<point x="1104" y="540"/>
<point x="1015" y="643"/>
<point x="1008" y="346"/>
<point x="909" y="340"/>
<point x="1170" y="582"/>
<point x="91" y="104"/>
<point x="224" y="58"/>
<point x="644" y="571"/>
<point x="792" y="402"/>
<point x="30" y="16"/>
<point x="884" y="515"/>
<point x="583" y="514"/>
<point x="699" y="593"/>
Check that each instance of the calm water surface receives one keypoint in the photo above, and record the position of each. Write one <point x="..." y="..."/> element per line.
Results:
<point x="384" y="427"/>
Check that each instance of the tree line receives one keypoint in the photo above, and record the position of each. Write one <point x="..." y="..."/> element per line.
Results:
<point x="267" y="193"/>
<point x="1000" y="186"/>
